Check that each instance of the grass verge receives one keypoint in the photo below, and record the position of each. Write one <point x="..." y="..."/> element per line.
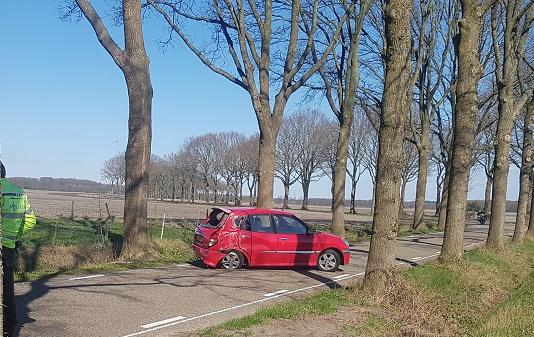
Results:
<point x="488" y="294"/>
<point x="65" y="246"/>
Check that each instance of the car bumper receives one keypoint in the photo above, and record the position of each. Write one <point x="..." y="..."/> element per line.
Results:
<point x="210" y="257"/>
<point x="346" y="258"/>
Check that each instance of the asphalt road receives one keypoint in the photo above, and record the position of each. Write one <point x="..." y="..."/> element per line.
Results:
<point x="180" y="298"/>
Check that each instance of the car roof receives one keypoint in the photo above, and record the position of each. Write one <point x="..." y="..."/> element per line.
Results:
<point x="252" y="210"/>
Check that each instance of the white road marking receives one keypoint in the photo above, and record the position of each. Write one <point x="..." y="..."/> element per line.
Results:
<point x="85" y="277"/>
<point x="276" y="293"/>
<point x="416" y="258"/>
<point x="183" y="265"/>
<point x="340" y="276"/>
<point x="165" y="321"/>
<point x="237" y="307"/>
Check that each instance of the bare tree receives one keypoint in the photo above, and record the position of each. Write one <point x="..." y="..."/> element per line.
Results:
<point x="525" y="182"/>
<point x="255" y="35"/>
<point x="288" y="152"/>
<point x="355" y="167"/>
<point x="512" y="18"/>
<point x="133" y="62"/>
<point x="310" y="125"/>
<point x="466" y="108"/>
<point x="432" y="88"/>
<point x="409" y="170"/>
<point x="114" y="171"/>
<point x="395" y="105"/>
<point x="341" y="78"/>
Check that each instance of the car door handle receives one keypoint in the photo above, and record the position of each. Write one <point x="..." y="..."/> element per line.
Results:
<point x="245" y="236"/>
<point x="283" y="238"/>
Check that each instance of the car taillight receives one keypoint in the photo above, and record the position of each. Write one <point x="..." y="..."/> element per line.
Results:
<point x="212" y="242"/>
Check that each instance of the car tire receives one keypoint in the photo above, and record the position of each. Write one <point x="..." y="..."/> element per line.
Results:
<point x="233" y="260"/>
<point x="329" y="260"/>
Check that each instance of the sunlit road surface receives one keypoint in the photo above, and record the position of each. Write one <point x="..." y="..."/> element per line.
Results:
<point x="171" y="300"/>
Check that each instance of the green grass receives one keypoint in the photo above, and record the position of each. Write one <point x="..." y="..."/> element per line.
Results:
<point x="371" y="326"/>
<point x="65" y="246"/>
<point x="489" y="294"/>
<point x="321" y="303"/>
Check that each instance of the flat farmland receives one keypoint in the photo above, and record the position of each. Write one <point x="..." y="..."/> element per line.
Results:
<point x="54" y="204"/>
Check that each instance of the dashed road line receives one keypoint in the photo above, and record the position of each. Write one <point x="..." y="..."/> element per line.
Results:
<point x="276" y="293"/>
<point x="237" y="306"/>
<point x="165" y="321"/>
<point x="85" y="277"/>
<point x="340" y="276"/>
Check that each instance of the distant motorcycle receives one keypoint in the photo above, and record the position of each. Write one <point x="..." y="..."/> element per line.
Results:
<point x="481" y="217"/>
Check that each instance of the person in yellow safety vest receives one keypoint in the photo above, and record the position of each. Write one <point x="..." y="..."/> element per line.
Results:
<point x="17" y="219"/>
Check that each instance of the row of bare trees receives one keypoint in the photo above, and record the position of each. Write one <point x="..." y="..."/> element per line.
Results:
<point x="438" y="82"/>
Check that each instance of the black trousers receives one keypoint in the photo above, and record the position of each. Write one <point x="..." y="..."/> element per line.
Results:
<point x="9" y="257"/>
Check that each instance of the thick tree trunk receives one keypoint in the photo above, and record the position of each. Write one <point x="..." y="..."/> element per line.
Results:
<point x="487" y="195"/>
<point x="286" y="196"/>
<point x="469" y="71"/>
<point x="422" y="174"/>
<point x="525" y="186"/>
<point x="339" y="177"/>
<point x="305" y="192"/>
<point x="266" y="169"/>
<point x="530" y="230"/>
<point x="500" y="172"/>
<point x="373" y="199"/>
<point x="137" y="160"/>
<point x="395" y="105"/>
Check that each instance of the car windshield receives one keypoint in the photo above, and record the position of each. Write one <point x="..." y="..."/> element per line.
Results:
<point x="215" y="219"/>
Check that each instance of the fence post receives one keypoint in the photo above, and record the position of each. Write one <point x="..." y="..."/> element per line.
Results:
<point x="162" y="227"/>
<point x="107" y="209"/>
<point x="72" y="210"/>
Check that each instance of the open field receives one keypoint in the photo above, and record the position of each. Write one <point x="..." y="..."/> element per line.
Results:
<point x="52" y="205"/>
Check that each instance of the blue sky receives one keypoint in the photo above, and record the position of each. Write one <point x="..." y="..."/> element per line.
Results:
<point x="63" y="106"/>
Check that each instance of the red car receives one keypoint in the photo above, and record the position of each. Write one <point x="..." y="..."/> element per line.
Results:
<point x="233" y="237"/>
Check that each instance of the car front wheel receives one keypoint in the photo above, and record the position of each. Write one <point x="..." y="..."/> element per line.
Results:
<point x="232" y="260"/>
<point x="328" y="260"/>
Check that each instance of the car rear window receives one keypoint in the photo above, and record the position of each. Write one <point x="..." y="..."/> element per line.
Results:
<point x="216" y="218"/>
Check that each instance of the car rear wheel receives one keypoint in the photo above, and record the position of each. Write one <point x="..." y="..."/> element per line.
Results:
<point x="328" y="260"/>
<point x="232" y="260"/>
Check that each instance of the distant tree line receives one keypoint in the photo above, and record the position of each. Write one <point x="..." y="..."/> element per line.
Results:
<point x="62" y="184"/>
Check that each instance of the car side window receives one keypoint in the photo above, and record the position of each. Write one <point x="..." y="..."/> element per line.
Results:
<point x="289" y="225"/>
<point x="242" y="223"/>
<point x="261" y="223"/>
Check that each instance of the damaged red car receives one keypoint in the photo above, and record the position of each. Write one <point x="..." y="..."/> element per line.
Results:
<point x="231" y="238"/>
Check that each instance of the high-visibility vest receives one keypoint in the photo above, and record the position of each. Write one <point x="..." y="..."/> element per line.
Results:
<point x="17" y="215"/>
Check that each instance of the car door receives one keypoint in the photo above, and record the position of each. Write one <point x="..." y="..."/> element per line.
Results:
<point x="295" y="241"/>
<point x="263" y="241"/>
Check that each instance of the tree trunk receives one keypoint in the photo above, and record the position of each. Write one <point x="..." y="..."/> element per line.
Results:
<point x="422" y="174"/>
<point x="340" y="176"/>
<point x="530" y="230"/>
<point x="525" y="186"/>
<point x="487" y="195"/>
<point x="395" y="105"/>
<point x="438" y="197"/>
<point x="401" y="201"/>
<point x="353" y="194"/>
<point x="266" y="169"/>
<point x="500" y="172"/>
<point x="286" y="196"/>
<point x="442" y="217"/>
<point x="305" y="191"/>
<point x="373" y="199"/>
<point x="469" y="71"/>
